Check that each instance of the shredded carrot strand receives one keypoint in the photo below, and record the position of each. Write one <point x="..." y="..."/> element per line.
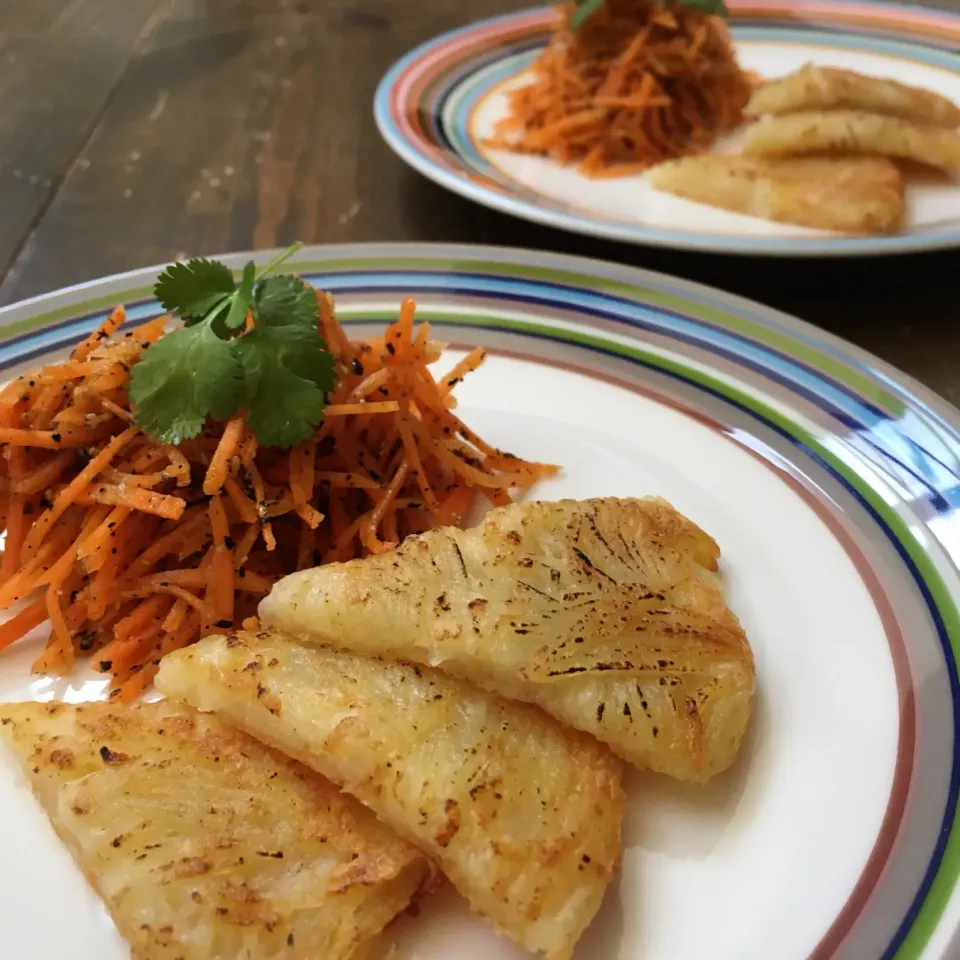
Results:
<point x="136" y="498"/>
<point x="174" y="590"/>
<point x="105" y="534"/>
<point x="104" y="332"/>
<point x="347" y="409"/>
<point x="243" y="504"/>
<point x="249" y="581"/>
<point x="45" y="439"/>
<point x="229" y="446"/>
<point x="179" y="466"/>
<point x="467" y="365"/>
<point x="369" y="534"/>
<point x="176" y="616"/>
<point x="62" y="646"/>
<point x="74" y="488"/>
<point x="357" y="481"/>
<point x="102" y="588"/>
<point x="45" y="475"/>
<point x="246" y="545"/>
<point x="61" y="569"/>
<point x="22" y="623"/>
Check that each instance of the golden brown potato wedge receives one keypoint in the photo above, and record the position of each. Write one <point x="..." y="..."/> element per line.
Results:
<point x="850" y="131"/>
<point x="605" y="613"/>
<point x="831" y="88"/>
<point x="203" y="843"/>
<point x="522" y="815"/>
<point x="853" y="195"/>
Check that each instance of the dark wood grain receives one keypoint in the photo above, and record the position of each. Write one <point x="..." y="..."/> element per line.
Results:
<point x="241" y="124"/>
<point x="60" y="62"/>
<point x="237" y="124"/>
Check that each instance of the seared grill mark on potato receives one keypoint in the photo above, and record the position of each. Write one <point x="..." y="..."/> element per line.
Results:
<point x="566" y="605"/>
<point x="442" y="762"/>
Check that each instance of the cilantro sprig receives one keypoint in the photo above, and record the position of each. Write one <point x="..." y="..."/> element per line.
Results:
<point x="278" y="372"/>
<point x="584" y="9"/>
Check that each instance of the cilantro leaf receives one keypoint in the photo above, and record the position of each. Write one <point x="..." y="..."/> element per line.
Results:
<point x="587" y="8"/>
<point x="287" y="373"/>
<point x="286" y="300"/>
<point x="279" y="372"/>
<point x="186" y="376"/>
<point x="309" y="359"/>
<point x="189" y="289"/>
<point x="584" y="10"/>
<point x="278" y="259"/>
<point x="717" y="7"/>
<point x="209" y="307"/>
<point x="242" y="298"/>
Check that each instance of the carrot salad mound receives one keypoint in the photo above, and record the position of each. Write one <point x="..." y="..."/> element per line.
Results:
<point x="132" y="548"/>
<point x="636" y="83"/>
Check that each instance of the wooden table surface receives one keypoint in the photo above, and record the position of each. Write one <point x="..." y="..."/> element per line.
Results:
<point x="138" y="131"/>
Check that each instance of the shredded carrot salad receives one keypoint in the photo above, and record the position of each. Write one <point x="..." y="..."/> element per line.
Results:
<point x="133" y="549"/>
<point x="639" y="82"/>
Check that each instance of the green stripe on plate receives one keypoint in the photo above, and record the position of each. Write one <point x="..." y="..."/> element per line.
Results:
<point x="39" y="320"/>
<point x="832" y="367"/>
<point x="835" y="368"/>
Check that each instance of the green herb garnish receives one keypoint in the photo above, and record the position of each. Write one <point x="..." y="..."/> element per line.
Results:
<point x="583" y="11"/>
<point x="587" y="8"/>
<point x="715" y="7"/>
<point x="278" y="373"/>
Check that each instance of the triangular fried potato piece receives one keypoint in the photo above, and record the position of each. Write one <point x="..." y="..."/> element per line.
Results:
<point x="522" y="814"/>
<point x="203" y="843"/>
<point x="852" y="131"/>
<point x="605" y="613"/>
<point x="832" y="88"/>
<point x="850" y="194"/>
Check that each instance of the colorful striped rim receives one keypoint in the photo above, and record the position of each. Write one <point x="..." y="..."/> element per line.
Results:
<point x="425" y="108"/>
<point x="875" y="454"/>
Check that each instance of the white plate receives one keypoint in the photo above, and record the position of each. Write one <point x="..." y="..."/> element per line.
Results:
<point x="438" y="107"/>
<point x="827" y="479"/>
